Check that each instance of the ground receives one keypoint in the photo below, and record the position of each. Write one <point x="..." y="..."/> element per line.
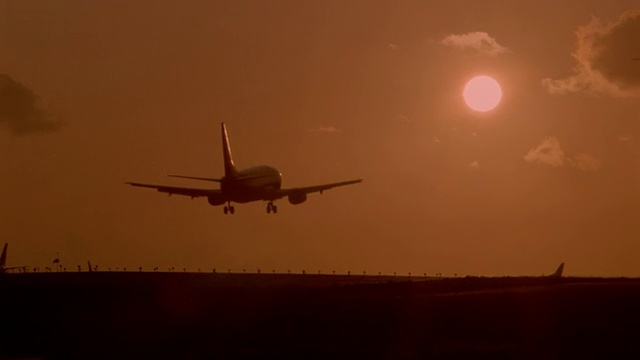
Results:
<point x="104" y="315"/>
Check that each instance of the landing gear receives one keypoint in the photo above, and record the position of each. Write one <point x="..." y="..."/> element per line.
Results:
<point x="271" y="207"/>
<point x="229" y="209"/>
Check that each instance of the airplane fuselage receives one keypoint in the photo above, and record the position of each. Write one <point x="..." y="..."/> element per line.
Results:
<point x="251" y="184"/>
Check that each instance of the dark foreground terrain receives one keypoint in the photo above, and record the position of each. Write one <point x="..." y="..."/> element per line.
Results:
<point x="103" y="315"/>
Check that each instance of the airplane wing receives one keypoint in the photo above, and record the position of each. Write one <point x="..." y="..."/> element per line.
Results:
<point x="171" y="190"/>
<point x="315" y="188"/>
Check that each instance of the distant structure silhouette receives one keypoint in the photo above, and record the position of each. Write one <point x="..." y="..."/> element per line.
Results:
<point x="3" y="262"/>
<point x="558" y="273"/>
<point x="56" y="261"/>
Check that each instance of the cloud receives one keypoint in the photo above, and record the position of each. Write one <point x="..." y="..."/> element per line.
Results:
<point x="20" y="111"/>
<point x="625" y="138"/>
<point x="550" y="153"/>
<point x="586" y="162"/>
<point x="605" y="56"/>
<point x="403" y="118"/>
<point x="478" y="41"/>
<point x="392" y="46"/>
<point x="474" y="165"/>
<point x="326" y="129"/>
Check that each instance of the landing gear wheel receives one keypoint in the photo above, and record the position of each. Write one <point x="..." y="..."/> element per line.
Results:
<point x="229" y="209"/>
<point x="271" y="208"/>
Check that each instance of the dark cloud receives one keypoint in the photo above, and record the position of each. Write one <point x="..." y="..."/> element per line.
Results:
<point x="19" y="109"/>
<point x="618" y="47"/>
<point x="605" y="57"/>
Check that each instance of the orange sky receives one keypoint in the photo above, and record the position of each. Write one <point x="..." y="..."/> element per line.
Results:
<point x="98" y="93"/>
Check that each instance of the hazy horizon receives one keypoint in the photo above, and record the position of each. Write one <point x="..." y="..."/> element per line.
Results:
<point x="94" y="94"/>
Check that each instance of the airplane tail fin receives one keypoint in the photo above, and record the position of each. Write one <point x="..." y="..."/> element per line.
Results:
<point x="558" y="272"/>
<point x="3" y="257"/>
<point x="229" y="167"/>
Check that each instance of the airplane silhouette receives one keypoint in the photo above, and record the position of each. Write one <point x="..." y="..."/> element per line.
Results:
<point x="258" y="183"/>
<point x="3" y="261"/>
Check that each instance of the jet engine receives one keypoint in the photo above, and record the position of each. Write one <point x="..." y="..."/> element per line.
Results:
<point x="296" y="199"/>
<point x="215" y="201"/>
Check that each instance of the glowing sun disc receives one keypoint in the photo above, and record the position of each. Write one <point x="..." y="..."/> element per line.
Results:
<point x="482" y="93"/>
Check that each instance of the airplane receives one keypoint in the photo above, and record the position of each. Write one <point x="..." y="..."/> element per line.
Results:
<point x="3" y="262"/>
<point x="258" y="183"/>
<point x="558" y="273"/>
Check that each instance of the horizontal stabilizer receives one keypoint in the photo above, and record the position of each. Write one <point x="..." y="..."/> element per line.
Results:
<point x="195" y="178"/>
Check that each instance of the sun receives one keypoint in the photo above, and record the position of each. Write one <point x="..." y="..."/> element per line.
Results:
<point x="482" y="93"/>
